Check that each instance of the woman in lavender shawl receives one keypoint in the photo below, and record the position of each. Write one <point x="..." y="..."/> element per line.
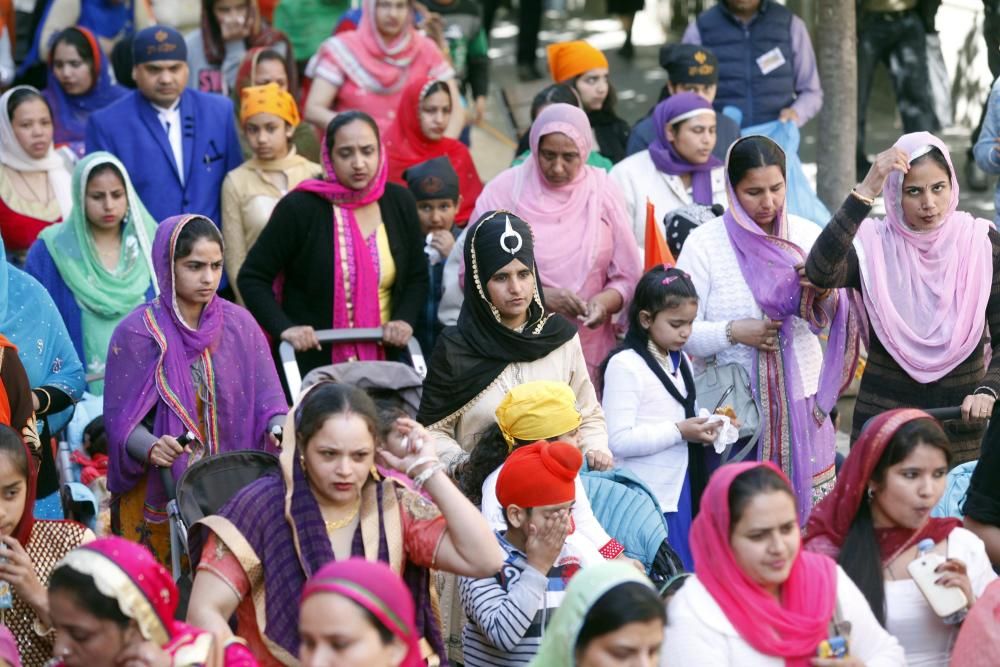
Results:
<point x="331" y="502"/>
<point x="757" y="310"/>
<point x="186" y="362"/>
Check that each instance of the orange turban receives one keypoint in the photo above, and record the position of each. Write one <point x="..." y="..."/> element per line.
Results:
<point x="540" y="474"/>
<point x="268" y="99"/>
<point x="571" y="59"/>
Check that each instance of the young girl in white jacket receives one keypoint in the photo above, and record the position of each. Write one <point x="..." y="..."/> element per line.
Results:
<point x="649" y="401"/>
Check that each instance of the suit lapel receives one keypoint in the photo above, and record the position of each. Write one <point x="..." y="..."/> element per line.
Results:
<point x="151" y="119"/>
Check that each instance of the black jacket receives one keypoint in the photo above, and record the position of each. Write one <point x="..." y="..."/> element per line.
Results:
<point x="297" y="243"/>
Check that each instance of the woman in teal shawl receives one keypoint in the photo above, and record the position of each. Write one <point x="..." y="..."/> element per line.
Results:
<point x="96" y="264"/>
<point x="610" y="610"/>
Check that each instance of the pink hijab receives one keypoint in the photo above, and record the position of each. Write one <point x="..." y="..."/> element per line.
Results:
<point x="374" y="587"/>
<point x="791" y="629"/>
<point x="925" y="293"/>
<point x="576" y="210"/>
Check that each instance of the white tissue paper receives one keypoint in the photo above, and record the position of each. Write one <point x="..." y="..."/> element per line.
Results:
<point x="727" y="435"/>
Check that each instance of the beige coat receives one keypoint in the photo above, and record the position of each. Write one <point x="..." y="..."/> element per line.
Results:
<point x="456" y="435"/>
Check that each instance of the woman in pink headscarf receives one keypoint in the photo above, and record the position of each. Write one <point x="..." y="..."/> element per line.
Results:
<point x="113" y="604"/>
<point x="929" y="275"/>
<point x="375" y="614"/>
<point x="588" y="260"/>
<point x="366" y="69"/>
<point x="756" y="598"/>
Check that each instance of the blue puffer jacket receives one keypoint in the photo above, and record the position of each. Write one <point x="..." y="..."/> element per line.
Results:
<point x="628" y="510"/>
<point x="760" y="97"/>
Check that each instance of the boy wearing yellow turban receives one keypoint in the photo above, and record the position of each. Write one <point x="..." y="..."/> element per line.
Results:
<point x="530" y="412"/>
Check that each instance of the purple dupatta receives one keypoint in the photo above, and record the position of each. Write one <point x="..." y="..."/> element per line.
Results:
<point x="677" y="108"/>
<point x="797" y="434"/>
<point x="278" y="517"/>
<point x="152" y="358"/>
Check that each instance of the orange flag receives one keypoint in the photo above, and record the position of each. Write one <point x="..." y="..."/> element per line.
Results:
<point x="657" y="252"/>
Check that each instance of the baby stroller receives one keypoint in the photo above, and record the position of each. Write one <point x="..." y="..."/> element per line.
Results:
<point x="208" y="484"/>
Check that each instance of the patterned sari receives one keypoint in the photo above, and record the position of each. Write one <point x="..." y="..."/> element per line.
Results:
<point x="271" y="537"/>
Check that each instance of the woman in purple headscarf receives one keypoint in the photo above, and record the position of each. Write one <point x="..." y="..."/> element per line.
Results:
<point x="678" y="169"/>
<point x="186" y="362"/>
<point x="79" y="83"/>
<point x="756" y="311"/>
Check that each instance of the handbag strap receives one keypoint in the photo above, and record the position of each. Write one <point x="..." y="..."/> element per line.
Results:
<point x="744" y="452"/>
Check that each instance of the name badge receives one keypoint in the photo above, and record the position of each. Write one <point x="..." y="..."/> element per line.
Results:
<point x="771" y="61"/>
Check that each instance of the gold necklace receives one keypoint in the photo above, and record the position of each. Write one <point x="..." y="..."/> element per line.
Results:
<point x="334" y="526"/>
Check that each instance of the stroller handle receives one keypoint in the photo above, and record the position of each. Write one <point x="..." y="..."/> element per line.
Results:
<point x="952" y="413"/>
<point x="370" y="335"/>
<point x="167" y="473"/>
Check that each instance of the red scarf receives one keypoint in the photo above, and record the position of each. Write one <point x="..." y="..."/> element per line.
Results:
<point x="406" y="145"/>
<point x="791" y="629"/>
<point x="831" y="519"/>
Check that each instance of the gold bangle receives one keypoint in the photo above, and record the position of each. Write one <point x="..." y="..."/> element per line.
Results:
<point x="867" y="201"/>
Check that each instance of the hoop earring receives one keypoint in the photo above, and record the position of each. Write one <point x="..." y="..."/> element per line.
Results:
<point x="871" y="494"/>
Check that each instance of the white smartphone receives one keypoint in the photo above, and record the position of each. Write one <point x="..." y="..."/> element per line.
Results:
<point x="945" y="601"/>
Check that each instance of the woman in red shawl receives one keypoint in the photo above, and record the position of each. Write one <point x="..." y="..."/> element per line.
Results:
<point x="32" y="549"/>
<point x="113" y="604"/>
<point x="418" y="135"/>
<point x="228" y="29"/>
<point x="757" y="598"/>
<point x="877" y="514"/>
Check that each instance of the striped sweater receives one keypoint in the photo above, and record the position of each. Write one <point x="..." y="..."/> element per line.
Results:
<point x="508" y="612"/>
<point x="833" y="262"/>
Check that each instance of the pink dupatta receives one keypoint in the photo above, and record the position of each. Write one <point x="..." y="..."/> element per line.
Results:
<point x="790" y="629"/>
<point x="355" y="270"/>
<point x="925" y="293"/>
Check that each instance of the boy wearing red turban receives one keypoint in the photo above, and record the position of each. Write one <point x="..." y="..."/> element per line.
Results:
<point x="508" y="611"/>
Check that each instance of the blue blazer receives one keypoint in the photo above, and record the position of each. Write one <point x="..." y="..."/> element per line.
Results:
<point x="42" y="268"/>
<point x="130" y="129"/>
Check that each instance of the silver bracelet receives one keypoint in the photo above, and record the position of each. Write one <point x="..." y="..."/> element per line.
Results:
<point x="425" y="476"/>
<point x="419" y="462"/>
<point x="984" y="388"/>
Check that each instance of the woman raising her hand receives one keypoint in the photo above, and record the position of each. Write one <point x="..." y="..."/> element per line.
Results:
<point x="929" y="275"/>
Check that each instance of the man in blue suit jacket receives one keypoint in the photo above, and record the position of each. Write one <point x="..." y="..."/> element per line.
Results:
<point x="178" y="144"/>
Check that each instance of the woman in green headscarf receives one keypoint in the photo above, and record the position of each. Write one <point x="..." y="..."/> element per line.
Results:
<point x="611" y="615"/>
<point x="96" y="264"/>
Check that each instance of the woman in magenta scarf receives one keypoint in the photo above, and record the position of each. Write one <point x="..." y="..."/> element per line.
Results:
<point x="189" y="361"/>
<point x="375" y="613"/>
<point x="929" y="276"/>
<point x="347" y="253"/>
<point x="114" y="604"/>
<point x="755" y="311"/>
<point x="588" y="260"/>
<point x="756" y="597"/>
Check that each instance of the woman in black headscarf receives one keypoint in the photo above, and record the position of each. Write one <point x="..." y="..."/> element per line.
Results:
<point x="503" y="338"/>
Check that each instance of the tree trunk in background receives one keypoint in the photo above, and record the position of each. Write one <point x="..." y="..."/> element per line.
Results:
<point x="836" y="54"/>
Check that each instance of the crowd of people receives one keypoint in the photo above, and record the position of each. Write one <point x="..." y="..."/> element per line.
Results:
<point x="624" y="450"/>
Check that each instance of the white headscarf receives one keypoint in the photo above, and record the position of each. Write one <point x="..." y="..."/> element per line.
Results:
<point x="14" y="156"/>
